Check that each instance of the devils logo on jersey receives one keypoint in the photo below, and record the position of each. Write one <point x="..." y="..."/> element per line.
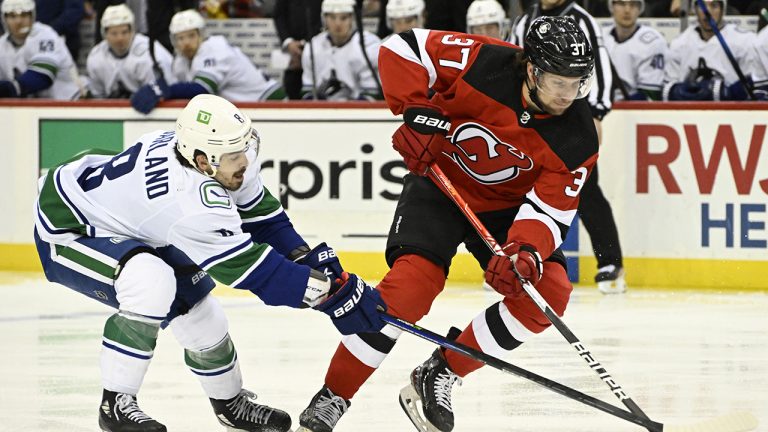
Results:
<point x="484" y="157"/>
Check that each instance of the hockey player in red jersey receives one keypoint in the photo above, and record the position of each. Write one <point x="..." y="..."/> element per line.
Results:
<point x="511" y="130"/>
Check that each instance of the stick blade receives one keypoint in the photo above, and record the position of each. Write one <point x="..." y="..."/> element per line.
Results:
<point x="733" y="422"/>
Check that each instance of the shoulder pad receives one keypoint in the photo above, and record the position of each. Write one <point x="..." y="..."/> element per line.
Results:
<point x="140" y="49"/>
<point x="648" y="36"/>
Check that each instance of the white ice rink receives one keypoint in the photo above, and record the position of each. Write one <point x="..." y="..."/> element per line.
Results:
<point x="682" y="356"/>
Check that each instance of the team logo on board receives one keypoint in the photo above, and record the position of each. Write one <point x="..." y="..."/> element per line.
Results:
<point x="484" y="157"/>
<point x="203" y="117"/>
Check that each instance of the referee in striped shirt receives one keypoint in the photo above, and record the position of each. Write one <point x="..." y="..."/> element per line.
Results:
<point x="594" y="210"/>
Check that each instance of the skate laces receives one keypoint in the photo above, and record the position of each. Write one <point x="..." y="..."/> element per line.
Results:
<point x="443" y="385"/>
<point x="244" y="407"/>
<point x="130" y="409"/>
<point x="330" y="409"/>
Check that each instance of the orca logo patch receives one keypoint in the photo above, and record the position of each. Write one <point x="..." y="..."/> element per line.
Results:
<point x="214" y="195"/>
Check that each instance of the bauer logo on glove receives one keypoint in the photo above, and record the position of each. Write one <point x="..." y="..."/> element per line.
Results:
<point x="349" y="304"/>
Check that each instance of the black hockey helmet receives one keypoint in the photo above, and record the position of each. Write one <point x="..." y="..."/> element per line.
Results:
<point x="557" y="45"/>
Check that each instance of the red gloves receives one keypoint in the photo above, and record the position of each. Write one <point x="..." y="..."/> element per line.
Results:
<point x="420" y="139"/>
<point x="500" y="274"/>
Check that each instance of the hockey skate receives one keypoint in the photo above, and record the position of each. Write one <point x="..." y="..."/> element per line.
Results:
<point x="323" y="412"/>
<point x="119" y="412"/>
<point x="431" y="384"/>
<point x="242" y="413"/>
<point x="610" y="280"/>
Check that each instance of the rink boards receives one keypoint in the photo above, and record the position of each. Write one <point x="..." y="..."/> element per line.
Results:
<point x="688" y="182"/>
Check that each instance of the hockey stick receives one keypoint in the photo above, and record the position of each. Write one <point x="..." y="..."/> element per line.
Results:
<point x="442" y="181"/>
<point x="308" y="20"/>
<point x="361" y="32"/>
<point x="747" y="84"/>
<point x="736" y="422"/>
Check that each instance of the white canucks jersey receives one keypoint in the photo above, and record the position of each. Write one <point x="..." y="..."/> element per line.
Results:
<point x="144" y="193"/>
<point x="761" y="52"/>
<point x="688" y="48"/>
<point x="43" y="51"/>
<point x="119" y="77"/>
<point x="225" y="71"/>
<point x="341" y="72"/>
<point x="639" y="60"/>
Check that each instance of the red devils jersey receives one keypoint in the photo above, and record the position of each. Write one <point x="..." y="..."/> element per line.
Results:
<point x="498" y="154"/>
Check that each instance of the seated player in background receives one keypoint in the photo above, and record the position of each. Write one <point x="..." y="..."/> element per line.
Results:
<point x="206" y="64"/>
<point x="335" y="66"/>
<point x="487" y="18"/>
<point x="122" y="62"/>
<point x="404" y="15"/>
<point x="637" y="52"/>
<point x="761" y="72"/>
<point x="697" y="67"/>
<point x="145" y="230"/>
<point x="34" y="61"/>
<point x="513" y="132"/>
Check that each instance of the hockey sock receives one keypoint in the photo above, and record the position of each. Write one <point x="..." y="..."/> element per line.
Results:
<point x="346" y="373"/>
<point x="217" y="369"/>
<point x="127" y="348"/>
<point x="409" y="288"/>
<point x="460" y="364"/>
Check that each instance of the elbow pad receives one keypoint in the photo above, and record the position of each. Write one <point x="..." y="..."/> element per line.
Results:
<point x="33" y="82"/>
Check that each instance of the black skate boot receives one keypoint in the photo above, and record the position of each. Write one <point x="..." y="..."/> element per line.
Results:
<point x="323" y="412"/>
<point x="242" y="413"/>
<point x="431" y="384"/>
<point x="610" y="280"/>
<point x="120" y="413"/>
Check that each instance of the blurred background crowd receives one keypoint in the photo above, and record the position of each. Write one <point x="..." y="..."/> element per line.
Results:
<point x="253" y="50"/>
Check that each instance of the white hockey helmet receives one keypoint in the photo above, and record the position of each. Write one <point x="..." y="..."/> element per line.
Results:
<point x="642" y="4"/>
<point x="214" y="126"/>
<point x="337" y="6"/>
<point x="403" y="9"/>
<point x="482" y="12"/>
<point x="485" y="12"/>
<point x="189" y="19"/>
<point x="116" y="15"/>
<point x="18" y="7"/>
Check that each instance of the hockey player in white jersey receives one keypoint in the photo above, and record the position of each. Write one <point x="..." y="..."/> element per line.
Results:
<point x="207" y="64"/>
<point x="636" y="51"/>
<point x="121" y="63"/>
<point x="145" y="230"/>
<point x="761" y="51"/>
<point x="404" y="15"/>
<point x="487" y="18"/>
<point x="335" y="65"/>
<point x="697" y="67"/>
<point x="34" y="60"/>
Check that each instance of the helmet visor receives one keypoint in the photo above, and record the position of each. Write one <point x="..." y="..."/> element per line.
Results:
<point x="561" y="87"/>
<point x="253" y="141"/>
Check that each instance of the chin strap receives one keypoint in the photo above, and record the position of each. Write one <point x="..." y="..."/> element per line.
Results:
<point x="534" y="95"/>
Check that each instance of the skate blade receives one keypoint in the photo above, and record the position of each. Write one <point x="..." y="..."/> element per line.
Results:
<point x="410" y="401"/>
<point x="612" y="287"/>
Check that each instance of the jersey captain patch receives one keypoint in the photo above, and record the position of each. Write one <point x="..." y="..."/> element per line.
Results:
<point x="214" y="195"/>
<point x="484" y="157"/>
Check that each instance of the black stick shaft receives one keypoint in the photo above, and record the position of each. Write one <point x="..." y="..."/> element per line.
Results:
<point x="444" y="183"/>
<point x="509" y="368"/>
